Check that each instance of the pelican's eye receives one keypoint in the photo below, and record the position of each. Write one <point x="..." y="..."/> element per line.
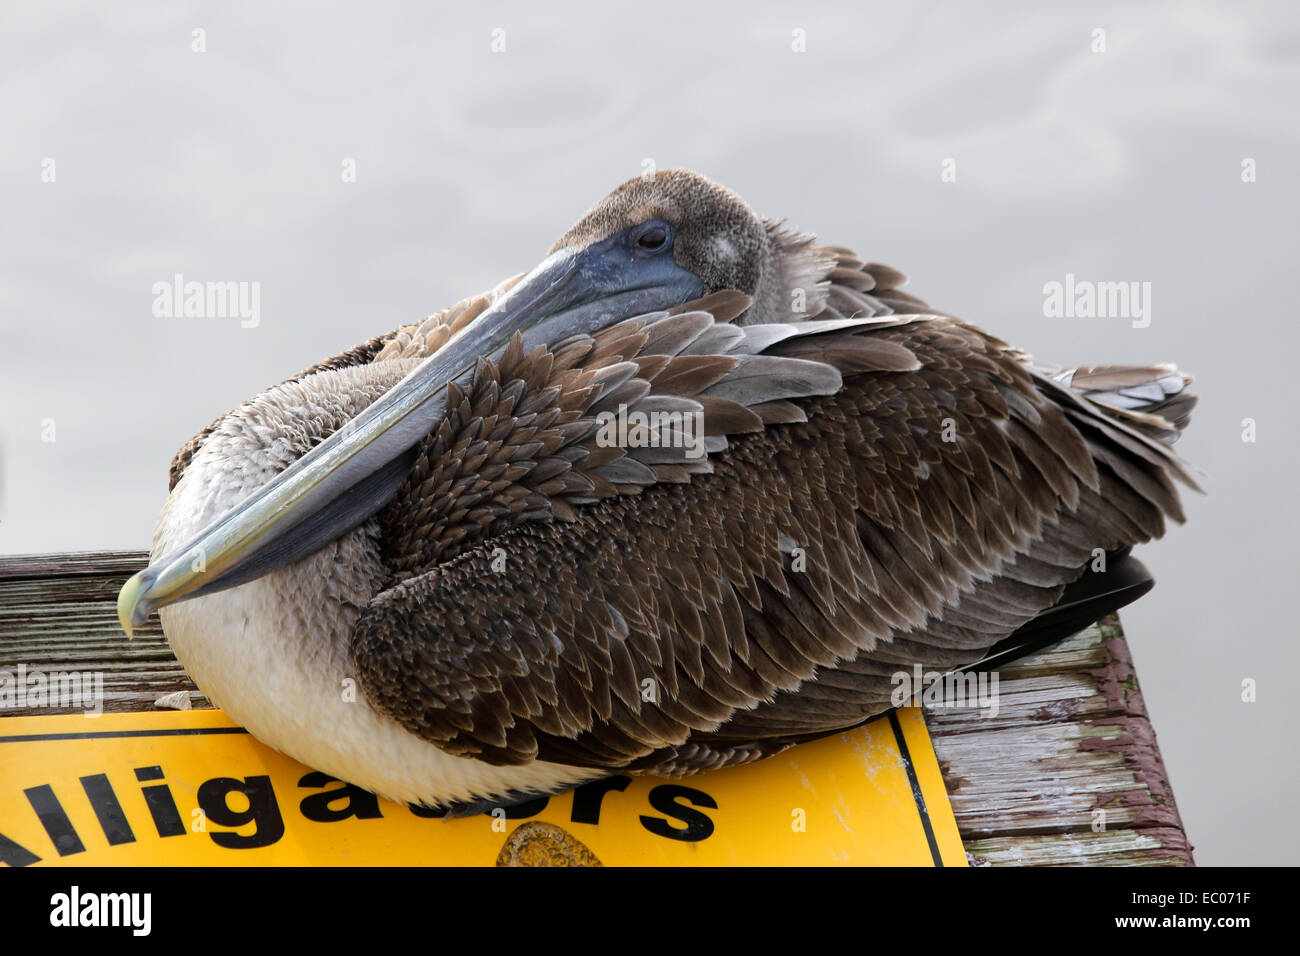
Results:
<point x="653" y="237"/>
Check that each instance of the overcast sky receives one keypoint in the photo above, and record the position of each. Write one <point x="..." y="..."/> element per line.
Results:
<point x="127" y="157"/>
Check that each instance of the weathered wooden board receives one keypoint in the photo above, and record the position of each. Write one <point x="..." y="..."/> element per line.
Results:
<point x="1066" y="773"/>
<point x="59" y="612"/>
<point x="1069" y="770"/>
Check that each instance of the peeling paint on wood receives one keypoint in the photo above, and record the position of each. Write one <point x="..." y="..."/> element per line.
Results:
<point x="1067" y="773"/>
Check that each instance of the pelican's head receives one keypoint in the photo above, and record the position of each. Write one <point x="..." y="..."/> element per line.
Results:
<point x="710" y="233"/>
<point x="702" y="228"/>
<point x="650" y="245"/>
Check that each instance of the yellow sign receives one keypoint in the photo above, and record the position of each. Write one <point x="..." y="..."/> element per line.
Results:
<point x="192" y="788"/>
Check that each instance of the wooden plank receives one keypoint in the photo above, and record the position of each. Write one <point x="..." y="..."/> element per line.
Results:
<point x="72" y="563"/>
<point x="1068" y="771"/>
<point x="59" y="612"/>
<point x="1137" y="847"/>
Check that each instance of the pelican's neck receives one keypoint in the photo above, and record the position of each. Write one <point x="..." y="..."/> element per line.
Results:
<point x="792" y="277"/>
<point x="307" y="609"/>
<point x="274" y="652"/>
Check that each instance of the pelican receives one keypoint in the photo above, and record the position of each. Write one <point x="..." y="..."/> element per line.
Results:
<point x="686" y="494"/>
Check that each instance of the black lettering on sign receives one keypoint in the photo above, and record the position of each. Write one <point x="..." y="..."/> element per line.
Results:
<point x="160" y="803"/>
<point x="107" y="809"/>
<point x="60" y="829"/>
<point x="12" y="854"/>
<point x="361" y="804"/>
<point x="664" y="799"/>
<point x="430" y="813"/>
<point x="588" y="797"/>
<point x="262" y="811"/>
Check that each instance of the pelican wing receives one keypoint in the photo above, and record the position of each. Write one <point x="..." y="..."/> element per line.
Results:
<point x="876" y="491"/>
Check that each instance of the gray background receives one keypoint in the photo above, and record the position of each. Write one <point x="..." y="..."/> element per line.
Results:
<point x="1122" y="165"/>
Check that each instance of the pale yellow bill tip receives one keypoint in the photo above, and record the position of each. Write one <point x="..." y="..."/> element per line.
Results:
<point x="127" y="598"/>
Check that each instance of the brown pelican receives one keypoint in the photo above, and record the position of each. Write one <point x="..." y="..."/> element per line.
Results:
<point x="434" y="566"/>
